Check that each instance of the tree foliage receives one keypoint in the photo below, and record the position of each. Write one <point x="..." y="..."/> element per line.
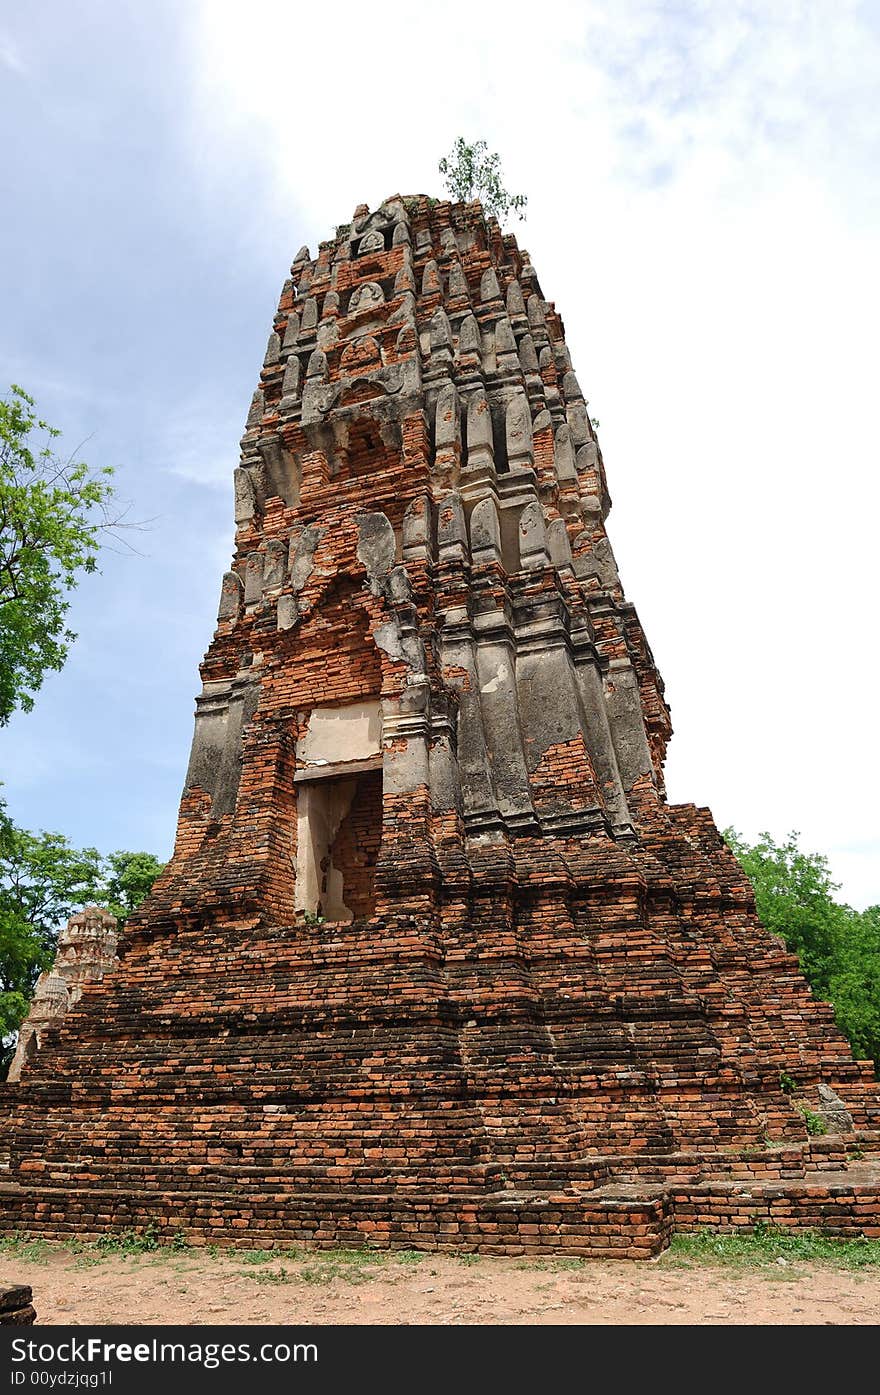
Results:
<point x="52" y="515"/>
<point x="471" y="172"/>
<point x="128" y="877"/>
<point x="838" y="948"/>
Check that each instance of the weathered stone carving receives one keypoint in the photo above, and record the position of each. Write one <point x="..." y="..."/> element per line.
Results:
<point x="527" y="356"/>
<point x="231" y="597"/>
<point x="485" y="532"/>
<point x="273" y="351"/>
<point x="431" y="283"/>
<point x="518" y="428"/>
<point x="489" y="289"/>
<point x="245" y="497"/>
<point x="317" y="366"/>
<point x="275" y="565"/>
<point x="290" y="383"/>
<point x="373" y="242"/>
<point x="291" y="332"/>
<point x="309" y="318"/>
<point x="253" y="578"/>
<point x="458" y="285"/>
<point x="367" y="297"/>
<point x="470" y="340"/>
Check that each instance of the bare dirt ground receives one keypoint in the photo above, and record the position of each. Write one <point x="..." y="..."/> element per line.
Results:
<point x="192" y="1287"/>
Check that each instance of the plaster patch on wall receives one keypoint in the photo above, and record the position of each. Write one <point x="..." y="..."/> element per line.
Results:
<point x="351" y="732"/>
<point x="501" y="676"/>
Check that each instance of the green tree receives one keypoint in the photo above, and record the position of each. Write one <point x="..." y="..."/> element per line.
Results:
<point x="128" y="877"/>
<point x="52" y="516"/>
<point x="471" y="172"/>
<point x="794" y="894"/>
<point x="855" y="985"/>
<point x="838" y="947"/>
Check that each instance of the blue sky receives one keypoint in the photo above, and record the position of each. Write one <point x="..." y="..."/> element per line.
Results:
<point x="703" y="206"/>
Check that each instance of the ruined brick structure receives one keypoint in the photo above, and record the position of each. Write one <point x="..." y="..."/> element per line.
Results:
<point x="86" y="950"/>
<point x="16" y="1305"/>
<point x="434" y="962"/>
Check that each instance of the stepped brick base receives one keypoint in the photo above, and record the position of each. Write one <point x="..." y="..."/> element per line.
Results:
<point x="605" y="1067"/>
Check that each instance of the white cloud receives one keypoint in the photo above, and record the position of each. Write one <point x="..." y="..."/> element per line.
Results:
<point x="701" y="186"/>
<point x="10" y="55"/>
<point x="199" y="439"/>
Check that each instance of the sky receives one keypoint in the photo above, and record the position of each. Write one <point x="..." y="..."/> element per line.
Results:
<point x="702" y="207"/>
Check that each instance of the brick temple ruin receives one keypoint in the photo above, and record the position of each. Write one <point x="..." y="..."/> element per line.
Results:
<point x="86" y="950"/>
<point x="434" y="963"/>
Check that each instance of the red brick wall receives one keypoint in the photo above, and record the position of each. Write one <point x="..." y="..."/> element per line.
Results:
<point x="356" y="845"/>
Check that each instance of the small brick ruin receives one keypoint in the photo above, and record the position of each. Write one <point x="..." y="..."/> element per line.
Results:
<point x="86" y="950"/>
<point x="435" y="964"/>
<point x="16" y="1306"/>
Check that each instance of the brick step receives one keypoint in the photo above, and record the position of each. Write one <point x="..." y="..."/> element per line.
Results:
<point x="460" y="1174"/>
<point x="351" y="1002"/>
<point x="172" y="1079"/>
<point x="199" y="1123"/>
<point x="619" y="1218"/>
<point x="505" y="1223"/>
<point x="839" y="1204"/>
<point x="246" y="1178"/>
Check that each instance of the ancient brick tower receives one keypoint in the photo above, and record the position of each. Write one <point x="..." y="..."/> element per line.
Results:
<point x="434" y="962"/>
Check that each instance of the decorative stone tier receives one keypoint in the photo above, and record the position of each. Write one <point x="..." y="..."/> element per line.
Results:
<point x="434" y="963"/>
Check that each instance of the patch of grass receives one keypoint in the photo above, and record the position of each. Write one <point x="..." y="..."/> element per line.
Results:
<point x="814" y="1122"/>
<point x="129" y="1242"/>
<point x="39" y="1251"/>
<point x="271" y="1276"/>
<point x="322" y="1266"/>
<point x="259" y="1256"/>
<point x="27" y="1247"/>
<point x="150" y="1243"/>
<point x="554" y="1263"/>
<point x="86" y="1256"/>
<point x="326" y="1273"/>
<point x="767" y="1244"/>
<point x="360" y="1257"/>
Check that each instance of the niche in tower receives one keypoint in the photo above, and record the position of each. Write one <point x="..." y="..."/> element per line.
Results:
<point x="339" y="811"/>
